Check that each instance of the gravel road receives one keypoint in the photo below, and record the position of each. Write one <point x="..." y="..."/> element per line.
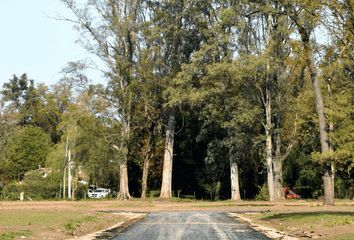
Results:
<point x="189" y="226"/>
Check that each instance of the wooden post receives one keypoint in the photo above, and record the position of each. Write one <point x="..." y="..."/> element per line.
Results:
<point x="22" y="196"/>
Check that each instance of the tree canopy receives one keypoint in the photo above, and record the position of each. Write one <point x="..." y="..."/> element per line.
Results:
<point x="209" y="99"/>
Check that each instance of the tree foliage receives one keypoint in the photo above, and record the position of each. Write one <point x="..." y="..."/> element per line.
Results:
<point x="212" y="84"/>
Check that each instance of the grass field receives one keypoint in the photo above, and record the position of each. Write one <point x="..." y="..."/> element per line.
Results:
<point x="310" y="220"/>
<point x="53" y="221"/>
<point x="66" y="219"/>
<point x="321" y="225"/>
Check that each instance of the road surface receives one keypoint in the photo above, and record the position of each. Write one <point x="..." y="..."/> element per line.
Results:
<point x="189" y="226"/>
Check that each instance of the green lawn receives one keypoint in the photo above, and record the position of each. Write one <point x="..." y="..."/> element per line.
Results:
<point x="52" y="223"/>
<point x="336" y="225"/>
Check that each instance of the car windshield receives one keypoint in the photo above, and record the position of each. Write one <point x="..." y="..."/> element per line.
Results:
<point x="98" y="190"/>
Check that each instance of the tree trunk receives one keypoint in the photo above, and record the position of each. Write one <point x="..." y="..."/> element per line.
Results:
<point x="328" y="183"/>
<point x="278" y="165"/>
<point x="270" y="169"/>
<point x="145" y="178"/>
<point x="320" y="112"/>
<point x="69" y="174"/>
<point x="217" y="190"/>
<point x="328" y="188"/>
<point x="123" y="193"/>
<point x="166" y="186"/>
<point x="330" y="130"/>
<point x="64" y="181"/>
<point x="235" y="187"/>
<point x="65" y="164"/>
<point x="269" y="146"/>
<point x="146" y="164"/>
<point x="268" y="125"/>
<point x="75" y="182"/>
<point x="123" y="182"/>
<point x="278" y="179"/>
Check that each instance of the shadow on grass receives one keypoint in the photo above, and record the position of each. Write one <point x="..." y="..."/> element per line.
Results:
<point x="300" y="215"/>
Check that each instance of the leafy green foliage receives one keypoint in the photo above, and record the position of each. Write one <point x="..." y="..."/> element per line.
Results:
<point x="26" y="150"/>
<point x="263" y="194"/>
<point x="36" y="185"/>
<point x="72" y="225"/>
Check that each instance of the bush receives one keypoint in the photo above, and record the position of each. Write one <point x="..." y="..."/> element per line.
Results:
<point x="12" y="191"/>
<point x="304" y="191"/>
<point x="38" y="187"/>
<point x="154" y="193"/>
<point x="24" y="151"/>
<point x="308" y="185"/>
<point x="35" y="186"/>
<point x="263" y="194"/>
<point x="81" y="191"/>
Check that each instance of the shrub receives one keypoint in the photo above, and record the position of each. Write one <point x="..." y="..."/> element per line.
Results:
<point x="154" y="193"/>
<point x="25" y="150"/>
<point x="263" y="194"/>
<point x="12" y="191"/>
<point x="81" y="191"/>
<point x="34" y="185"/>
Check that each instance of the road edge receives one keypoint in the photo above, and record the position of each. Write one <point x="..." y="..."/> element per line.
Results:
<point x="269" y="232"/>
<point x="133" y="218"/>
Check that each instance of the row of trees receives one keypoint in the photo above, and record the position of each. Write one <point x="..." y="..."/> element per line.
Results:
<point x="216" y="95"/>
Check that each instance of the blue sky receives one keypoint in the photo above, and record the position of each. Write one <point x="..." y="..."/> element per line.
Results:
<point x="33" y="43"/>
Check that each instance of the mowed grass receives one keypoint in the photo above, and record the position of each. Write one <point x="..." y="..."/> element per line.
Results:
<point x="19" y="223"/>
<point x="345" y="237"/>
<point x="322" y="224"/>
<point x="53" y="223"/>
<point x="32" y="218"/>
<point x="327" y="219"/>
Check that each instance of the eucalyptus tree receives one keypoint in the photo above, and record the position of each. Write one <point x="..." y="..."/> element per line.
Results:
<point x="211" y="83"/>
<point x="174" y="35"/>
<point x="169" y="15"/>
<point x="337" y="70"/>
<point x="110" y="30"/>
<point x="306" y="17"/>
<point x="262" y="36"/>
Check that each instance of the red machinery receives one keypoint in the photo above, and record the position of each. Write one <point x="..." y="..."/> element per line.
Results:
<point x="290" y="194"/>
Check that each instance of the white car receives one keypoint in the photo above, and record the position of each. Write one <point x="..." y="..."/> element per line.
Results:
<point x="99" y="193"/>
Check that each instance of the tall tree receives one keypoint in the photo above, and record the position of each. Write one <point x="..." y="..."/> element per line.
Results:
<point x="262" y="34"/>
<point x="305" y="15"/>
<point x="337" y="72"/>
<point x="207" y="82"/>
<point x="175" y="29"/>
<point x="172" y="11"/>
<point x="110" y="29"/>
